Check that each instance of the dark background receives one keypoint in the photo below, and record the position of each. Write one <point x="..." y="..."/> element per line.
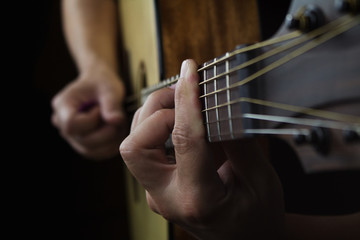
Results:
<point x="60" y="195"/>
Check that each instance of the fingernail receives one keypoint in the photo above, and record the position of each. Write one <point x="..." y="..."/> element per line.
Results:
<point x="184" y="68"/>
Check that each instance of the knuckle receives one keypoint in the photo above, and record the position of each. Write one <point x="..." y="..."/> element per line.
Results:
<point x="183" y="139"/>
<point x="155" y="96"/>
<point x="193" y="212"/>
<point x="128" y="150"/>
<point x="160" y="114"/>
<point x="55" y="101"/>
<point x="153" y="207"/>
<point x="135" y="120"/>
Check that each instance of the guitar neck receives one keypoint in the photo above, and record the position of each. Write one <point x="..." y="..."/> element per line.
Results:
<point x="228" y="92"/>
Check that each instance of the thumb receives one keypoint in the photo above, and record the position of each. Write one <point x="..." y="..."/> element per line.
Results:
<point x="111" y="108"/>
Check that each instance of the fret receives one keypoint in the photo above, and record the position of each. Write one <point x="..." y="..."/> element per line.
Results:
<point x="228" y="96"/>
<point x="223" y="98"/>
<point x="212" y="116"/>
<point x="234" y="93"/>
<point x="206" y="106"/>
<point x="226" y="122"/>
<point x="216" y="101"/>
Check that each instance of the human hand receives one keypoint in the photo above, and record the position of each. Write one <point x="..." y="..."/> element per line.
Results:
<point x="214" y="191"/>
<point x="88" y="113"/>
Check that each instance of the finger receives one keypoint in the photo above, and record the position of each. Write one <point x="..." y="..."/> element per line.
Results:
<point x="163" y="98"/>
<point x="195" y="162"/>
<point x="62" y="113"/>
<point x="111" y="101"/>
<point x="74" y="116"/>
<point x="83" y="123"/>
<point x="134" y="121"/>
<point x="103" y="135"/>
<point x="143" y="150"/>
<point x="99" y="152"/>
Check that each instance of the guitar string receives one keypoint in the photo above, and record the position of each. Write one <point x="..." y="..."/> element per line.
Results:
<point x="282" y="48"/>
<point x="286" y="37"/>
<point x="284" y="131"/>
<point x="291" y="131"/>
<point x="320" y="113"/>
<point x="266" y="131"/>
<point x="351" y="119"/>
<point x="258" y="45"/>
<point x="289" y="36"/>
<point x="172" y="80"/>
<point x="314" y="112"/>
<point x="301" y="50"/>
<point x="291" y="120"/>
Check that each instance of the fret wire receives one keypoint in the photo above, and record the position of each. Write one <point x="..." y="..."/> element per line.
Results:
<point x="228" y="96"/>
<point x="206" y="105"/>
<point x="216" y="100"/>
<point x="165" y="83"/>
<point x="292" y="55"/>
<point x="292" y="108"/>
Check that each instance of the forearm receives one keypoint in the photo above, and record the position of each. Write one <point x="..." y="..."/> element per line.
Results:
<point x="322" y="227"/>
<point x="90" y="28"/>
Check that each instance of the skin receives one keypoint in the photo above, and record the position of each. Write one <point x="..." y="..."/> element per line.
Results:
<point x="224" y="190"/>
<point x="245" y="196"/>
<point x="88" y="111"/>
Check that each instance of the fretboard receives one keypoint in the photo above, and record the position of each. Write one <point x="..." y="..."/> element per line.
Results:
<point x="222" y="111"/>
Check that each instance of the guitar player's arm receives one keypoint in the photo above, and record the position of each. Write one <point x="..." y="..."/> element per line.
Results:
<point x="88" y="111"/>
<point x="227" y="190"/>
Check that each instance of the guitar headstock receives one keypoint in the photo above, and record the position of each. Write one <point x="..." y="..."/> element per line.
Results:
<point x="307" y="15"/>
<point x="326" y="80"/>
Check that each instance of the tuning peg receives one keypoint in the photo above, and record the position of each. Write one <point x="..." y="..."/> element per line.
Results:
<point x="351" y="136"/>
<point x="306" y="18"/>
<point x="319" y="138"/>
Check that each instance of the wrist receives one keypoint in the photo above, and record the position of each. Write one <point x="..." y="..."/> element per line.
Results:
<point x="99" y="69"/>
<point x="95" y="62"/>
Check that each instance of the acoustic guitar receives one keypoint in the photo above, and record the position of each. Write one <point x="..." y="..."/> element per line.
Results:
<point x="301" y="85"/>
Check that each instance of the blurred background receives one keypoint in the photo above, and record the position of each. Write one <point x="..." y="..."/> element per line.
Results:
<point x="65" y="196"/>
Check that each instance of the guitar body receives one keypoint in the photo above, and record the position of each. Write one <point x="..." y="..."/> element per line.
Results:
<point x="158" y="35"/>
<point x="139" y="35"/>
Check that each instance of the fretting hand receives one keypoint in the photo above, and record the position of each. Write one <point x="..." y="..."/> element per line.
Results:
<point x="214" y="191"/>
